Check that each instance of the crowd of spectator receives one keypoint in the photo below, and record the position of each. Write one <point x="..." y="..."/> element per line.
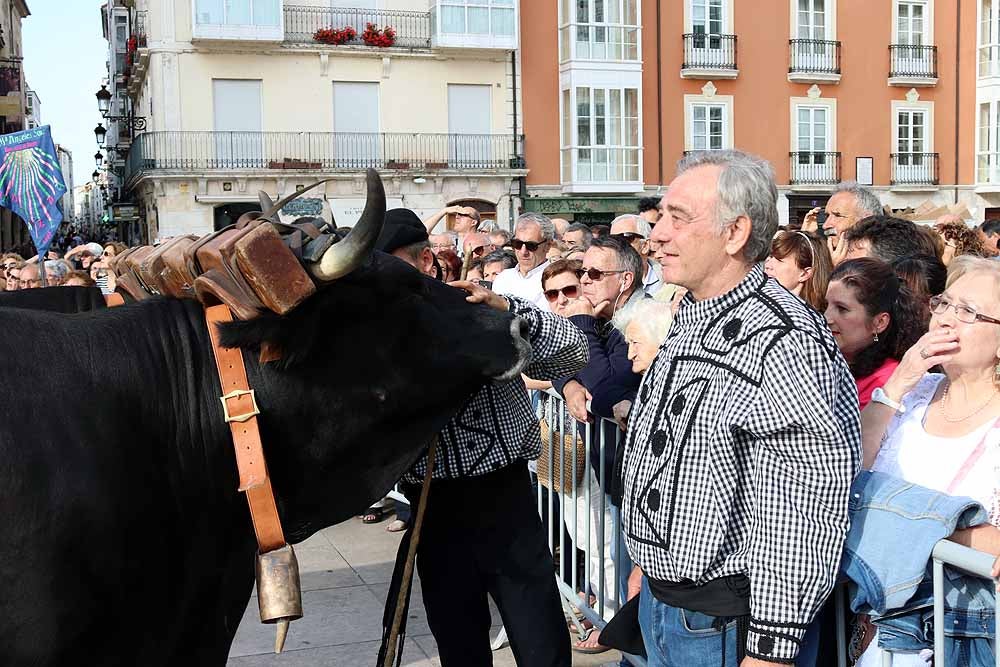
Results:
<point x="914" y="310"/>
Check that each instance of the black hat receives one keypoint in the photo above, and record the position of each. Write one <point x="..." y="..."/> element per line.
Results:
<point x="402" y="228"/>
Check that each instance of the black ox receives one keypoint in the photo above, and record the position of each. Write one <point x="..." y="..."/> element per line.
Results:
<point x="125" y="541"/>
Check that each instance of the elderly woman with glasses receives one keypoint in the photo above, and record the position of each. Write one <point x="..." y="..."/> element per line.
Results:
<point x="941" y="430"/>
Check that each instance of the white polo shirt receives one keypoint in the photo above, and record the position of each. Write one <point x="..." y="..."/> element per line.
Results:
<point x="510" y="282"/>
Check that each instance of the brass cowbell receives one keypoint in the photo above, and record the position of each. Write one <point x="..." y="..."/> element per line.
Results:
<point x="279" y="592"/>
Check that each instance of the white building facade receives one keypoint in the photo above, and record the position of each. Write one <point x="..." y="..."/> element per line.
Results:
<point x="274" y="95"/>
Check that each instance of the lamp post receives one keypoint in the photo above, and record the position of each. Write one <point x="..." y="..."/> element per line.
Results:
<point x="103" y="100"/>
<point x="104" y="106"/>
<point x="99" y="159"/>
<point x="100" y="133"/>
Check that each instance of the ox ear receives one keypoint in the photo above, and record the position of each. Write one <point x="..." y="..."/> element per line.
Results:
<point x="290" y="334"/>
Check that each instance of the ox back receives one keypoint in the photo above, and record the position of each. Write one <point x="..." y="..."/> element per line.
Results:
<point x="55" y="299"/>
<point x="126" y="541"/>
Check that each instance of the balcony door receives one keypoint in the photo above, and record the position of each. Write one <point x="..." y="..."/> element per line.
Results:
<point x="813" y="53"/>
<point x="469" y="126"/>
<point x="814" y="161"/>
<point x="357" y="143"/>
<point x="911" y="37"/>
<point x="355" y="13"/>
<point x="913" y="163"/>
<point x="707" y="25"/>
<point x="238" y="114"/>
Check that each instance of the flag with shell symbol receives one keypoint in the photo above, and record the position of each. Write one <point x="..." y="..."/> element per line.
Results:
<point x="31" y="182"/>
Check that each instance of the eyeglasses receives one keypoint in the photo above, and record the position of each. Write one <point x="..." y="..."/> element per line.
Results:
<point x="570" y="292"/>
<point x="629" y="236"/>
<point x="532" y="246"/>
<point x="940" y="305"/>
<point x="596" y="274"/>
<point x="479" y="250"/>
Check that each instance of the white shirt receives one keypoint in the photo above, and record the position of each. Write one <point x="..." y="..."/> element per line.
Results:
<point x="510" y="282"/>
<point x="653" y="280"/>
<point x="912" y="454"/>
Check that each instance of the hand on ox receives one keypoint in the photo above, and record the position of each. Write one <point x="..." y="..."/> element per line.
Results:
<point x="479" y="294"/>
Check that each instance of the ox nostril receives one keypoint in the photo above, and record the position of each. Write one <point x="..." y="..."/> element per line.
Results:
<point x="521" y="328"/>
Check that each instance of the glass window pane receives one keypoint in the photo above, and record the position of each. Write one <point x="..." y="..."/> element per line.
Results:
<point x="582" y="11"/>
<point x="453" y="20"/>
<point x="238" y="12"/>
<point x="699" y="112"/>
<point x="266" y="12"/>
<point x="503" y="22"/>
<point x="479" y="20"/>
<point x="567" y="138"/>
<point x="210" y="12"/>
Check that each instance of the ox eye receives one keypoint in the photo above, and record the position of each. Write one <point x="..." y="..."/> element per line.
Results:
<point x="380" y="394"/>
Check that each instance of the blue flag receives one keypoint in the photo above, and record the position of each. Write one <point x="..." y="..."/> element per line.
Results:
<point x="31" y="182"/>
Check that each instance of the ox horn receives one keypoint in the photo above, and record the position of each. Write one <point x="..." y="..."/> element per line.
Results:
<point x="348" y="254"/>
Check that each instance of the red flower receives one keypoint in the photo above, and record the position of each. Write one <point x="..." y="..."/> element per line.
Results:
<point x="381" y="37"/>
<point x="335" y="36"/>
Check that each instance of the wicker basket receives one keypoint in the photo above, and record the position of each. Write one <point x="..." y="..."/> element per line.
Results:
<point x="573" y="456"/>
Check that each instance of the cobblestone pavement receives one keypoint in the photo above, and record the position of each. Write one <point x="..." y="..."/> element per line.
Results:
<point x="345" y="575"/>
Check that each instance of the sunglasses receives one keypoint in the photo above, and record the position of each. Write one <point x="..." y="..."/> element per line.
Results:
<point x="570" y="292"/>
<point x="532" y="246"/>
<point x="479" y="250"/>
<point x="629" y="236"/>
<point x="595" y="274"/>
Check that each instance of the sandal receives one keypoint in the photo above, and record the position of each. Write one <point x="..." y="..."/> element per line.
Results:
<point x="581" y="646"/>
<point x="373" y="515"/>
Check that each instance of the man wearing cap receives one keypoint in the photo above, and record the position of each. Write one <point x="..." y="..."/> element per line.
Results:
<point x="85" y="254"/>
<point x="404" y="236"/>
<point x="635" y="230"/>
<point x="470" y="549"/>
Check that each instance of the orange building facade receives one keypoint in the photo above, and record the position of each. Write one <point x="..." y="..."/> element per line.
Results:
<point x="899" y="94"/>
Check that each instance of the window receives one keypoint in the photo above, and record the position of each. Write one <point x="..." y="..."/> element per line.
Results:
<point x="989" y="39"/>
<point x="356" y="125"/>
<point x="914" y="162"/>
<point x="813" y="140"/>
<point x="708" y="122"/>
<point x="812" y="22"/>
<point x="988" y="144"/>
<point x="706" y="18"/>
<point x="238" y="19"/>
<point x="910" y="23"/>
<point x="911" y="132"/>
<point x="599" y="30"/>
<point x="477" y="17"/>
<point x="602" y="145"/>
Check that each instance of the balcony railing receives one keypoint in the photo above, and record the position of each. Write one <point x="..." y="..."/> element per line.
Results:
<point x="413" y="29"/>
<point x="815" y="168"/>
<point x="912" y="61"/>
<point x="709" y="51"/>
<point x="914" y="169"/>
<point x="814" y="56"/>
<point x="322" y="151"/>
<point x="139" y="29"/>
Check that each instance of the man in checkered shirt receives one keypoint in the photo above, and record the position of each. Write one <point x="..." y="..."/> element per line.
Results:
<point x="744" y="439"/>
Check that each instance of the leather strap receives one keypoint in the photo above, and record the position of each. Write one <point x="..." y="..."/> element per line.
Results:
<point x="114" y="300"/>
<point x="240" y="408"/>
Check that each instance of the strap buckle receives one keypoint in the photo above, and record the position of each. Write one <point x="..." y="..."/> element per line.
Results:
<point x="237" y="393"/>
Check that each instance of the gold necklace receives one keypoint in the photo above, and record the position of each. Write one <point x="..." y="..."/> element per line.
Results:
<point x="953" y="420"/>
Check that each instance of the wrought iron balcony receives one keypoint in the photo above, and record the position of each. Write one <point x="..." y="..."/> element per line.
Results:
<point x="321" y="151"/>
<point x="710" y="54"/>
<point x="814" y="168"/>
<point x="139" y="29"/>
<point x="413" y="29"/>
<point x="920" y="169"/>
<point x="912" y="62"/>
<point x="814" y="60"/>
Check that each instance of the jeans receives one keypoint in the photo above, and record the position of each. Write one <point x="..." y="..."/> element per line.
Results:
<point x="677" y="637"/>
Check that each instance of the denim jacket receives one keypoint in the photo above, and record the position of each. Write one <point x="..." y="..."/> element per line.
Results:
<point x="893" y="584"/>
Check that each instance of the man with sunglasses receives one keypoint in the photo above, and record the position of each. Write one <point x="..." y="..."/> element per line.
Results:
<point x="465" y="221"/>
<point x="533" y="234"/>
<point x="635" y="230"/>
<point x="478" y="245"/>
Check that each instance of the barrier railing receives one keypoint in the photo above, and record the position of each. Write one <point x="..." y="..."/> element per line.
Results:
<point x="574" y="504"/>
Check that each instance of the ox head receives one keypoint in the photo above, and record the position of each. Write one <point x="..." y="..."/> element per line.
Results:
<point x="373" y="366"/>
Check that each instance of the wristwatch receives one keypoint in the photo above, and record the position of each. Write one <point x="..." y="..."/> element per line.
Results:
<point x="879" y="396"/>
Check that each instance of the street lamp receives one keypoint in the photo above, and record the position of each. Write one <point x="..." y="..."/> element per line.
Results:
<point x="103" y="100"/>
<point x="99" y="159"/>
<point x="99" y="134"/>
<point x="95" y="175"/>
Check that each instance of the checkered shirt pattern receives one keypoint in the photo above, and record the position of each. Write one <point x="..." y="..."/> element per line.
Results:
<point x="740" y="454"/>
<point x="497" y="426"/>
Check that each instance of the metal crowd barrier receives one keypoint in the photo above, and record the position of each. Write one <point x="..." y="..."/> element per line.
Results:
<point x="596" y="528"/>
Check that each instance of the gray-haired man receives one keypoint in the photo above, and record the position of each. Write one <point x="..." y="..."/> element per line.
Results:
<point x="743" y="441"/>
<point x="849" y="204"/>
<point x="533" y="234"/>
<point x="635" y="230"/>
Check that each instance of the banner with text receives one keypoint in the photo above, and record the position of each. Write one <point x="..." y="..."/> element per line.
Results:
<point x="31" y="182"/>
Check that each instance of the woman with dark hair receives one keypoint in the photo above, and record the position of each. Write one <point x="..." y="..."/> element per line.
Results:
<point x="451" y="265"/>
<point x="801" y="263"/>
<point x="874" y="318"/>
<point x="925" y="276"/>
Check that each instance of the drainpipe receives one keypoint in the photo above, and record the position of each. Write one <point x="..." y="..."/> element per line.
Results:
<point x="958" y="71"/>
<point x="659" y="98"/>
<point x="522" y="181"/>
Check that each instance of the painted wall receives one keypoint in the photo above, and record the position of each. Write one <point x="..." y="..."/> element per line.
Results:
<point x="761" y="92"/>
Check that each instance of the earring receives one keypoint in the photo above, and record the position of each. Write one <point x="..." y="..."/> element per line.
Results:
<point x="876" y="337"/>
<point x="996" y="375"/>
